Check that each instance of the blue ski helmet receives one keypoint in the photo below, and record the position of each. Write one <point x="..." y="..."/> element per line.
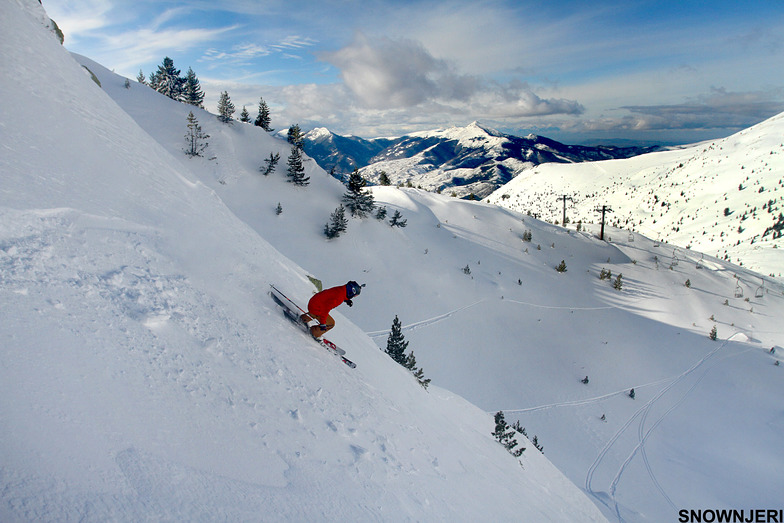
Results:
<point x="352" y="289"/>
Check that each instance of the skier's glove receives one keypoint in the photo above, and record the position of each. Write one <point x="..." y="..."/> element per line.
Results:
<point x="349" y="303"/>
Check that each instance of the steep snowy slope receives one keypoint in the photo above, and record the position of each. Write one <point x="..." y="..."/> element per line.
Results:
<point x="146" y="376"/>
<point x="724" y="198"/>
<point x="512" y="333"/>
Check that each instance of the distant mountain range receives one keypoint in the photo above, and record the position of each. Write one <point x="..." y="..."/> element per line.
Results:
<point x="465" y="161"/>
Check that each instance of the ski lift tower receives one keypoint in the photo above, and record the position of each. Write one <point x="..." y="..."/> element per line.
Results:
<point x="604" y="209"/>
<point x="564" y="198"/>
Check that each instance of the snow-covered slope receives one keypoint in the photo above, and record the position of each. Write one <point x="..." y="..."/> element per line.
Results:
<point x="146" y="376"/>
<point x="724" y="198"/>
<point x="514" y="334"/>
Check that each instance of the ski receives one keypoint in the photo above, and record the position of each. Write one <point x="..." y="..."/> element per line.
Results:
<point x="292" y="315"/>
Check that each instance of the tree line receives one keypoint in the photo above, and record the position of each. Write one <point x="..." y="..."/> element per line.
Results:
<point x="168" y="81"/>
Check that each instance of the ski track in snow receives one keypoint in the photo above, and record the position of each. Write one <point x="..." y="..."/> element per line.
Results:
<point x="643" y="435"/>
<point x="425" y="323"/>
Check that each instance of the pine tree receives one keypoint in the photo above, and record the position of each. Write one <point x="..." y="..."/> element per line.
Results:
<point x="561" y="267"/>
<point x="337" y="223"/>
<point x="225" y="108"/>
<point x="295" y="136"/>
<point x="244" y="115"/>
<point x="383" y="179"/>
<point x="618" y="283"/>
<point x="381" y="212"/>
<point x="279" y="209"/>
<point x="194" y="137"/>
<point x="505" y="435"/>
<point x="263" y="118"/>
<point x="141" y="78"/>
<point x="359" y="202"/>
<point x="167" y="80"/>
<point x="192" y="93"/>
<point x="397" y="220"/>
<point x="296" y="169"/>
<point x="271" y="162"/>
<point x="418" y="373"/>
<point x="396" y="343"/>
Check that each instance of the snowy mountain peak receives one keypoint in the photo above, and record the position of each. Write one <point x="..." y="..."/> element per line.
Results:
<point x="318" y="134"/>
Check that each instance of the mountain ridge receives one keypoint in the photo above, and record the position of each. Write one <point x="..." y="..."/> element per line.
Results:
<point x="469" y="161"/>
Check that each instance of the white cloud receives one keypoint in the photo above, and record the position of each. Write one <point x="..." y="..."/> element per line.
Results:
<point x="383" y="73"/>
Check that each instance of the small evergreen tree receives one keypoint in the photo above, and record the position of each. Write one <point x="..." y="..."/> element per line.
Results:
<point x="141" y="78"/>
<point x="383" y="179"/>
<point x="295" y="136"/>
<point x="194" y="137"/>
<point x="244" y="115"/>
<point x="278" y="209"/>
<point x="167" y="80"/>
<point x="397" y="220"/>
<point x="505" y="435"/>
<point x="263" y="118"/>
<point x="225" y="108"/>
<point x="713" y="333"/>
<point x="271" y="162"/>
<point x="536" y="444"/>
<point x="381" y="213"/>
<point x="632" y="394"/>
<point x="337" y="223"/>
<point x="618" y="283"/>
<point x="561" y="267"/>
<point x="296" y="169"/>
<point x="192" y="93"/>
<point x="527" y="236"/>
<point x="418" y="373"/>
<point x="359" y="202"/>
<point x="396" y="343"/>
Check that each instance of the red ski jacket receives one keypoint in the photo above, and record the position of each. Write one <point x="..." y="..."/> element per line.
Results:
<point x="323" y="302"/>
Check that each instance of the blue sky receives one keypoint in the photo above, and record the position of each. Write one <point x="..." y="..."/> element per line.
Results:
<point x="576" y="71"/>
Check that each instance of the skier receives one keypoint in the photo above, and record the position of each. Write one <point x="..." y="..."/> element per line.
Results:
<point x="323" y="302"/>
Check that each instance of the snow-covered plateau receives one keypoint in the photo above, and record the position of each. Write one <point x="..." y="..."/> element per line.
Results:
<point x="146" y="375"/>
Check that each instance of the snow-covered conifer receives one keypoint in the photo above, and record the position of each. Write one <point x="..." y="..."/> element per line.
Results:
<point x="296" y="169"/>
<point x="263" y="118"/>
<point x="192" y="93"/>
<point x="225" y="108"/>
<point x="271" y="162"/>
<point x="397" y="220"/>
<point x="358" y="201"/>
<point x="167" y="80"/>
<point x="195" y="139"/>
<point x="337" y="223"/>
<point x="396" y="343"/>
